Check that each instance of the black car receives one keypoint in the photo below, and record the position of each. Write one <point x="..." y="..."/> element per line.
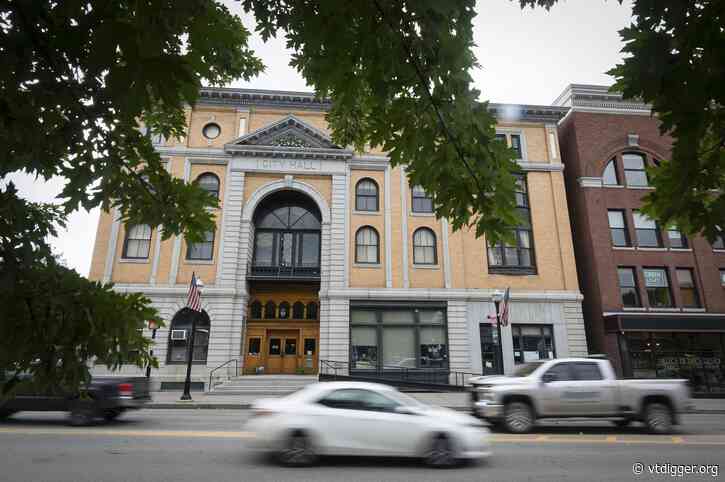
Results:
<point x="103" y="399"/>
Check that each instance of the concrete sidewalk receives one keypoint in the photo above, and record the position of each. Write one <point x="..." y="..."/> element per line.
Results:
<point x="454" y="400"/>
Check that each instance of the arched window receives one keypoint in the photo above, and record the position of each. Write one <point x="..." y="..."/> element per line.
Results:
<point x="367" y="245"/>
<point x="609" y="178"/>
<point x="424" y="247"/>
<point x="366" y="195"/>
<point x="634" y="169"/>
<point x="180" y="336"/>
<point x="298" y="310"/>
<point x="311" y="310"/>
<point x="138" y="242"/>
<point x="210" y="183"/>
<point x="422" y="203"/>
<point x="203" y="250"/>
<point x="270" y="310"/>
<point x="255" y="311"/>
<point x="284" y="310"/>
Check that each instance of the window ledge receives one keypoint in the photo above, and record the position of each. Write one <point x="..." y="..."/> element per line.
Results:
<point x="426" y="266"/>
<point x="422" y="215"/>
<point x="663" y="309"/>
<point x="134" y="260"/>
<point x="367" y="265"/>
<point x="718" y="250"/>
<point x="633" y="308"/>
<point x="649" y="188"/>
<point x="198" y="261"/>
<point x="682" y="250"/>
<point x="645" y="248"/>
<point x="694" y="310"/>
<point x="623" y="248"/>
<point x="613" y="186"/>
<point x="366" y="213"/>
<point x="513" y="271"/>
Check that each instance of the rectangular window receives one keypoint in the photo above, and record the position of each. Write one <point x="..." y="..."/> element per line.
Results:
<point x="275" y="346"/>
<point x="676" y="238"/>
<point x="310" y="346"/>
<point x="422" y="203"/>
<point x="203" y="250"/>
<point x="618" y="228"/>
<point x="648" y="234"/>
<point x="516" y="256"/>
<point x="722" y="277"/>
<point x="532" y="342"/>
<point x="719" y="242"/>
<point x="137" y="244"/>
<point x="658" y="287"/>
<point x="516" y="145"/>
<point x="398" y="338"/>
<point x="628" y="287"/>
<point x="634" y="172"/>
<point x="688" y="290"/>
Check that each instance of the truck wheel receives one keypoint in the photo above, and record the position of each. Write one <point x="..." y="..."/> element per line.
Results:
<point x="518" y="417"/>
<point x="658" y="418"/>
<point x="81" y="416"/>
<point x="622" y="423"/>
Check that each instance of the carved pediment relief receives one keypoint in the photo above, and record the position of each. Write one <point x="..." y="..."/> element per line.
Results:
<point x="289" y="132"/>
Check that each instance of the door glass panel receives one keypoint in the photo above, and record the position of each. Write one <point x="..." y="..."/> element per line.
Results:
<point x="309" y="246"/>
<point x="286" y="249"/>
<point x="264" y="249"/>
<point x="254" y="345"/>
<point x="275" y="346"/>
<point x="310" y="346"/>
<point x="290" y="346"/>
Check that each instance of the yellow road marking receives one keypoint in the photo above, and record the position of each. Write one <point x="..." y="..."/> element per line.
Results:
<point x="500" y="438"/>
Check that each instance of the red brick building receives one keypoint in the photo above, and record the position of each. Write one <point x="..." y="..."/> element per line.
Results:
<point x="654" y="299"/>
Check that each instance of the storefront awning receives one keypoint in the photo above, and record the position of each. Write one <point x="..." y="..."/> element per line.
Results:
<point x="650" y="322"/>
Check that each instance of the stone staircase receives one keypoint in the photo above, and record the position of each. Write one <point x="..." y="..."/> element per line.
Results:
<point x="278" y="385"/>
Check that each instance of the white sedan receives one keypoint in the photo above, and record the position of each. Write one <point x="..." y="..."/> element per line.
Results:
<point x="355" y="418"/>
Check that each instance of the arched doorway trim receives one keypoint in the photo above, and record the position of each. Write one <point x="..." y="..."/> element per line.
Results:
<point x="288" y="184"/>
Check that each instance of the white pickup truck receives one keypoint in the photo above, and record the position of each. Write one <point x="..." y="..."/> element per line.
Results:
<point x="577" y="387"/>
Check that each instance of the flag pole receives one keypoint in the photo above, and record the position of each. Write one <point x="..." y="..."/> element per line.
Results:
<point x="190" y="347"/>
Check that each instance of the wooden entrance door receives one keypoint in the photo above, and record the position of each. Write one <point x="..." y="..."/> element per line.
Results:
<point x="282" y="351"/>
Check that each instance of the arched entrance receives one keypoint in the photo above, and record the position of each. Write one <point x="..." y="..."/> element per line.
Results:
<point x="282" y="333"/>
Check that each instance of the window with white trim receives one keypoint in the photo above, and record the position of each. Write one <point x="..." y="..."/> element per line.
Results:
<point x="424" y="247"/>
<point x="137" y="244"/>
<point x="367" y="246"/>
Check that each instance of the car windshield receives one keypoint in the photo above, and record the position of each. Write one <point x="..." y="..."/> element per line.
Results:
<point x="526" y="369"/>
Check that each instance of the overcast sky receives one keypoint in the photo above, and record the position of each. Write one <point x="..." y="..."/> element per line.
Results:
<point x="527" y="57"/>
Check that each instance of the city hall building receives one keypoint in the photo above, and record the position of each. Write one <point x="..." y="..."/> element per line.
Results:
<point x="323" y="256"/>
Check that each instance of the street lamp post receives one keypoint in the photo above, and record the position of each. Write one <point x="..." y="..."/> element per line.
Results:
<point x="153" y="327"/>
<point x="497" y="296"/>
<point x="190" y="348"/>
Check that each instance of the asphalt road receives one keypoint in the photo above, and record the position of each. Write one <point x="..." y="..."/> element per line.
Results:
<point x="208" y="446"/>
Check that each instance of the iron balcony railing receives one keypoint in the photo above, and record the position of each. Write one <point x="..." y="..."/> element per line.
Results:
<point x="280" y="271"/>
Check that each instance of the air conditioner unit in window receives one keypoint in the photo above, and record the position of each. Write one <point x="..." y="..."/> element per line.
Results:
<point x="178" y="335"/>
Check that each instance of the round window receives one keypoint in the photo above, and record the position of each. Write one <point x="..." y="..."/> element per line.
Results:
<point x="211" y="131"/>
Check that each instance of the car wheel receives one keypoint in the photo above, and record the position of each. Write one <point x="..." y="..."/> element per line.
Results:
<point x="441" y="453"/>
<point x="81" y="416"/>
<point x="658" y="418"/>
<point x="518" y="417"/>
<point x="112" y="414"/>
<point x="625" y="422"/>
<point x="297" y="451"/>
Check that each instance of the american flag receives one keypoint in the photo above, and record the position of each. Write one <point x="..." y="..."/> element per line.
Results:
<point x="194" y="300"/>
<point x="505" y="307"/>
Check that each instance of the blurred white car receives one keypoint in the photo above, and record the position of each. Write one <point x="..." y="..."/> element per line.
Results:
<point x="355" y="418"/>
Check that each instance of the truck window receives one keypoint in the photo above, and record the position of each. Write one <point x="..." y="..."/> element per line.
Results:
<point x="587" y="371"/>
<point x="560" y="372"/>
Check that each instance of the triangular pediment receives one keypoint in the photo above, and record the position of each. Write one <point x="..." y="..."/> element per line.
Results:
<point x="290" y="132"/>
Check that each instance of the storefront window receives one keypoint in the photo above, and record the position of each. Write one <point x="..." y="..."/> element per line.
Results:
<point x="532" y="342"/>
<point x="407" y="338"/>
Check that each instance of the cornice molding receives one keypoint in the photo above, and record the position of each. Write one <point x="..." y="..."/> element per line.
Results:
<point x="598" y="99"/>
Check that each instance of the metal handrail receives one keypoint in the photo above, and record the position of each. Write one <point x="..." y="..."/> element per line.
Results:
<point x="236" y="369"/>
<point x="430" y="376"/>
